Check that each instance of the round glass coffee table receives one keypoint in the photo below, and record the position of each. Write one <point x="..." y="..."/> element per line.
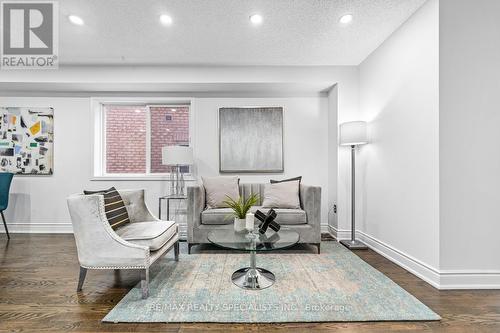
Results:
<point x="253" y="277"/>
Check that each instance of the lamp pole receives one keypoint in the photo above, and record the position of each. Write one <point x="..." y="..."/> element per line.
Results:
<point x="353" y="244"/>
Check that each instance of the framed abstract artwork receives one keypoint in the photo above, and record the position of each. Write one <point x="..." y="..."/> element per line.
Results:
<point x="251" y="140"/>
<point x="27" y="140"/>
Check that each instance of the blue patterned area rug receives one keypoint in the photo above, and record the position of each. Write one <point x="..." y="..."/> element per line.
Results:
<point x="334" y="286"/>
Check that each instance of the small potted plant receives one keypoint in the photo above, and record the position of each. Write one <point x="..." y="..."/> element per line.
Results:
<point x="240" y="209"/>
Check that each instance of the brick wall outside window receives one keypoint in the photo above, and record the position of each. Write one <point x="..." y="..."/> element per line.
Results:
<point x="168" y="128"/>
<point x="126" y="132"/>
<point x="125" y="139"/>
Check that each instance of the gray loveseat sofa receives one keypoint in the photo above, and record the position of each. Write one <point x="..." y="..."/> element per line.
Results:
<point x="306" y="221"/>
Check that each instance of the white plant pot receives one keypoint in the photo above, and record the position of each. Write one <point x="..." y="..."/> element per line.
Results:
<point x="239" y="225"/>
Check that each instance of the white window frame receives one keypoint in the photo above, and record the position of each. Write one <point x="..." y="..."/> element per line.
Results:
<point x="99" y="135"/>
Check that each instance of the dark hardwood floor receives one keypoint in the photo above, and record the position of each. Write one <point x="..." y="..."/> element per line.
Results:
<point x="38" y="280"/>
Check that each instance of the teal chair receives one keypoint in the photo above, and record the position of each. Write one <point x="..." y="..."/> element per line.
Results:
<point x="5" y="180"/>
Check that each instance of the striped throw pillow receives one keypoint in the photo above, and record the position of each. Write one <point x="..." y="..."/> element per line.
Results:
<point x="114" y="207"/>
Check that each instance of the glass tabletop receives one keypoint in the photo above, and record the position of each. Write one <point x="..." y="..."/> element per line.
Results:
<point x="253" y="241"/>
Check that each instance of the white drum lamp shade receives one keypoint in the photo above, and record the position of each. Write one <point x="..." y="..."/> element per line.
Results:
<point x="177" y="155"/>
<point x="353" y="133"/>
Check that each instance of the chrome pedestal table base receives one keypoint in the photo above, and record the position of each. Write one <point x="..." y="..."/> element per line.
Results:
<point x="253" y="277"/>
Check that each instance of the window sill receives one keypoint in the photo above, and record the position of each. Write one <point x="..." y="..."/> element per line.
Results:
<point x="189" y="178"/>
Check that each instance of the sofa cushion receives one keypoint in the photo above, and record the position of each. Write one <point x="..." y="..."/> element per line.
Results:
<point x="299" y="178"/>
<point x="217" y="216"/>
<point x="222" y="216"/>
<point x="151" y="234"/>
<point x="217" y="190"/>
<point x="286" y="216"/>
<point x="282" y="195"/>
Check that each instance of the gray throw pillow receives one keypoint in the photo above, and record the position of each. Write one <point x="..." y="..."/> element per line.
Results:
<point x="282" y="195"/>
<point x="218" y="188"/>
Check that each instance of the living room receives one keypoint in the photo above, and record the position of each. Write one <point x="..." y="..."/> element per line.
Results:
<point x="254" y="137"/>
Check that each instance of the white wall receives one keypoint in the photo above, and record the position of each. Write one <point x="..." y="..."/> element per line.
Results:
<point x="398" y="172"/>
<point x="39" y="203"/>
<point x="469" y="138"/>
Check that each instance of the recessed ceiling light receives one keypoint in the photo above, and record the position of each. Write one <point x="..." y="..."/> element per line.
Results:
<point x="137" y="111"/>
<point x="256" y="19"/>
<point x="173" y="110"/>
<point x="76" y="20"/>
<point x="347" y="18"/>
<point x="166" y="19"/>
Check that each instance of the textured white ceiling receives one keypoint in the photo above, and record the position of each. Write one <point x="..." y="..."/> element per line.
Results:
<point x="209" y="32"/>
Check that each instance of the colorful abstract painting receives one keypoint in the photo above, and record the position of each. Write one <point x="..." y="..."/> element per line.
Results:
<point x="27" y="140"/>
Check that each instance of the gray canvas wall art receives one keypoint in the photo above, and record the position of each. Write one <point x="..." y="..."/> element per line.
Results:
<point x="251" y="140"/>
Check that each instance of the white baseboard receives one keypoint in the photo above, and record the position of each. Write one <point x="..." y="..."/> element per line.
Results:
<point x="469" y="279"/>
<point x="38" y="228"/>
<point x="422" y="270"/>
<point x="339" y="234"/>
<point x="66" y="228"/>
<point x="440" y="279"/>
<point x="325" y="229"/>
<point x="59" y="228"/>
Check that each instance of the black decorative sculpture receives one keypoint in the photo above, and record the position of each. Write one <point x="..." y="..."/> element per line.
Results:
<point x="267" y="221"/>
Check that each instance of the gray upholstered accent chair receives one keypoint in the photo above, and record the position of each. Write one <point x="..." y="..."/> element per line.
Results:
<point x="306" y="221"/>
<point x="136" y="245"/>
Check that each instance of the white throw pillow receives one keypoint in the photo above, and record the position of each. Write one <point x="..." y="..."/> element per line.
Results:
<point x="282" y="195"/>
<point x="218" y="188"/>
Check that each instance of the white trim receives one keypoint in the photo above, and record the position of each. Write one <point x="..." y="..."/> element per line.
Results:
<point x="440" y="279"/>
<point x="149" y="177"/>
<point x="339" y="234"/>
<point x="470" y="279"/>
<point x="38" y="228"/>
<point x="325" y="229"/>
<point x="422" y="270"/>
<point x="148" y="140"/>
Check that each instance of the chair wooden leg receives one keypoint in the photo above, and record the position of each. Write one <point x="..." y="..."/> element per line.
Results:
<point x="176" y="251"/>
<point x="81" y="278"/>
<point x="319" y="247"/>
<point x="5" y="225"/>
<point x="190" y="245"/>
<point x="145" y="283"/>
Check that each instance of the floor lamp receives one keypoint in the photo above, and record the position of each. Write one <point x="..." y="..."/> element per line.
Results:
<point x="175" y="156"/>
<point x="353" y="133"/>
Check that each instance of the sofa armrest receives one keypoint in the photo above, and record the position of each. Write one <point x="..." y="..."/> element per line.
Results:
<point x="310" y="197"/>
<point x="195" y="206"/>
<point x="97" y="244"/>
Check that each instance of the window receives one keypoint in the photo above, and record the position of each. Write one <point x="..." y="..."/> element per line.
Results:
<point x="132" y="137"/>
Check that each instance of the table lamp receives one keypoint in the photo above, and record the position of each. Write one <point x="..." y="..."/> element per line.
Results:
<point x="175" y="156"/>
<point x="353" y="133"/>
